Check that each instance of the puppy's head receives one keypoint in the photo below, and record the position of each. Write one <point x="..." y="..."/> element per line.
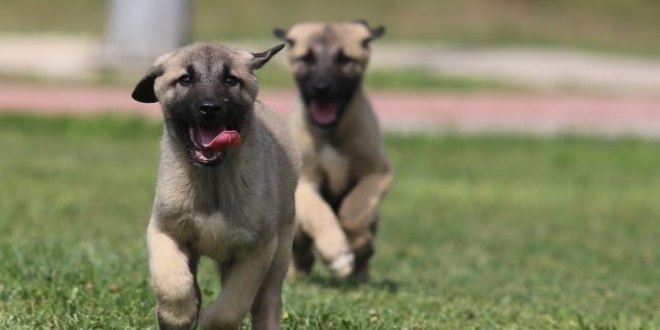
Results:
<point x="328" y="61"/>
<point x="207" y="94"/>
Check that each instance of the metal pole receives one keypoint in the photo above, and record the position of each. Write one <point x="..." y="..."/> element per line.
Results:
<point x="141" y="30"/>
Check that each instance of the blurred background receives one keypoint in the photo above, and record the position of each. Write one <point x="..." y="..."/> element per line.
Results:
<point x="523" y="133"/>
<point x="599" y="48"/>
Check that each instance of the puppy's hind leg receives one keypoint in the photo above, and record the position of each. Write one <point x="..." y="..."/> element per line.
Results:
<point x="363" y="244"/>
<point x="302" y="259"/>
<point x="173" y="268"/>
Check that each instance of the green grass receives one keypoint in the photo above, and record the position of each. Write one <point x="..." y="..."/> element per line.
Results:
<point x="419" y="79"/>
<point x="279" y="77"/>
<point x="477" y="233"/>
<point x="619" y="25"/>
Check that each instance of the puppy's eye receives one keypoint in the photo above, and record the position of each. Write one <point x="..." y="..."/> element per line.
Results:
<point x="342" y="58"/>
<point x="185" y="80"/>
<point x="308" y="57"/>
<point x="232" y="80"/>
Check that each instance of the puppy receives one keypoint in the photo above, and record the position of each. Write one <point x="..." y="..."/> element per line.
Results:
<point x="346" y="171"/>
<point x="226" y="182"/>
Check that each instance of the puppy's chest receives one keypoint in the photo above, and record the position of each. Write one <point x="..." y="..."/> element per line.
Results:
<point x="336" y="168"/>
<point x="216" y="236"/>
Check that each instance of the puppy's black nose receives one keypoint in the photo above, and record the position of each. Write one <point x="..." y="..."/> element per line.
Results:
<point x="209" y="107"/>
<point x="321" y="88"/>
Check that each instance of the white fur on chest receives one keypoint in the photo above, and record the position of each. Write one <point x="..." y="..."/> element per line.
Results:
<point x="218" y="238"/>
<point x="336" y="168"/>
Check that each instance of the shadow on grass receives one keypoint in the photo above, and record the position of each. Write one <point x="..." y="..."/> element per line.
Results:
<point x="388" y="285"/>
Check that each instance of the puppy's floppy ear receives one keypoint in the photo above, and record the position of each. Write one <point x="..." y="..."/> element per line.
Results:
<point x="374" y="33"/>
<point x="144" y="90"/>
<point x="377" y="32"/>
<point x="361" y="21"/>
<point x="259" y="59"/>
<point x="281" y="34"/>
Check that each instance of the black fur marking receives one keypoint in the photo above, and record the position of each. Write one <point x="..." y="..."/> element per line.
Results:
<point x="144" y="90"/>
<point x="334" y="200"/>
<point x="303" y="254"/>
<point x="342" y="92"/>
<point x="309" y="57"/>
<point x="341" y="58"/>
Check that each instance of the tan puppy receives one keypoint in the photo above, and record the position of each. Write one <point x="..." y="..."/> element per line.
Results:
<point x="228" y="172"/>
<point x="345" y="171"/>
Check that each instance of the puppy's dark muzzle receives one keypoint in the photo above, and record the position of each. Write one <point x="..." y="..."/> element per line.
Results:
<point x="321" y="90"/>
<point x="207" y="108"/>
<point x="211" y="112"/>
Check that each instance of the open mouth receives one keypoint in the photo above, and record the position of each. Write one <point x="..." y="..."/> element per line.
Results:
<point x="211" y="143"/>
<point x="324" y="113"/>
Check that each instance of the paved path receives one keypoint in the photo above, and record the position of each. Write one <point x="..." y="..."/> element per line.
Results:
<point x="77" y="57"/>
<point x="546" y="68"/>
<point x="398" y="111"/>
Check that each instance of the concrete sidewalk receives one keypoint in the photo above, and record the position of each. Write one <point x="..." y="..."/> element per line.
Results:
<point x="75" y="56"/>
<point x="543" y="68"/>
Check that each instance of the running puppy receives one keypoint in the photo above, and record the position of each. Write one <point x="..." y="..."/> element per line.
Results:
<point x="345" y="171"/>
<point x="226" y="183"/>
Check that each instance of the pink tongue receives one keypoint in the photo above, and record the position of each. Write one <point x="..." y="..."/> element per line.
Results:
<point x="213" y="140"/>
<point x="324" y="113"/>
<point x="225" y="140"/>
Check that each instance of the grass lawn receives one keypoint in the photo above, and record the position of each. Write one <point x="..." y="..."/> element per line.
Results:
<point x="477" y="233"/>
<point x="619" y="25"/>
<point x="280" y="77"/>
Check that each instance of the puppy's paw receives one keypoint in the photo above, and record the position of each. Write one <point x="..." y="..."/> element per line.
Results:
<point x="342" y="266"/>
<point x="217" y="317"/>
<point x="178" y="314"/>
<point x="164" y="324"/>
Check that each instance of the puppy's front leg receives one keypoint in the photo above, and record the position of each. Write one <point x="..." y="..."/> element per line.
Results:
<point x="241" y="279"/>
<point x="360" y="206"/>
<point x="318" y="220"/>
<point x="172" y="267"/>
<point x="358" y="216"/>
<point x="267" y="306"/>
